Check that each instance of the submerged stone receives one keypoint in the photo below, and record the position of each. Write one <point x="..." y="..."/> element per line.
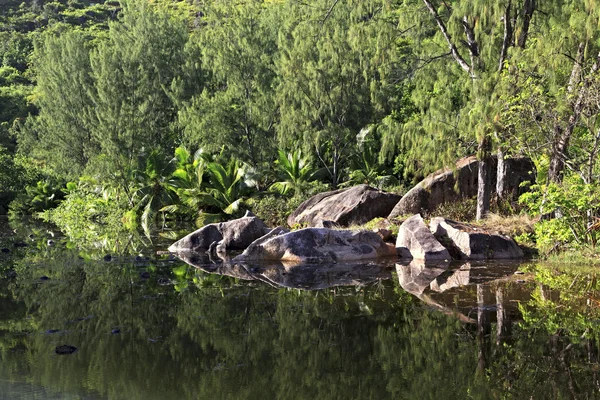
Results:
<point x="65" y="349"/>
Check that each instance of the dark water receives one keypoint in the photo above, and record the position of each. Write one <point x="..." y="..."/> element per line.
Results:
<point x="152" y="327"/>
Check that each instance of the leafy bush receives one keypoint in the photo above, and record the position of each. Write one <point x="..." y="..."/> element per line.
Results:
<point x="274" y="209"/>
<point x="88" y="213"/>
<point x="569" y="214"/>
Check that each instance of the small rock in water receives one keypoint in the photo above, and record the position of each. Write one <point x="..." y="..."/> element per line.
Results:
<point x="519" y="272"/>
<point x="138" y="259"/>
<point x="20" y="244"/>
<point x="50" y="242"/>
<point x="52" y="331"/>
<point x="164" y="281"/>
<point x="65" y="349"/>
<point x="5" y="250"/>
<point x="115" y="331"/>
<point x="107" y="257"/>
<point x="145" y="275"/>
<point x="44" y="278"/>
<point x="31" y="236"/>
<point x="520" y="281"/>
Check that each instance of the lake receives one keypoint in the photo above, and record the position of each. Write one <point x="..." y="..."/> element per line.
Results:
<point x="119" y="321"/>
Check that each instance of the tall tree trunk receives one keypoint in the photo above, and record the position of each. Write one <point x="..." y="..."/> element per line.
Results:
<point x="500" y="174"/>
<point x="484" y="185"/>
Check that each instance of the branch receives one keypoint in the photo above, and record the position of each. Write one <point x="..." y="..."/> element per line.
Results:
<point x="528" y="10"/>
<point x="508" y="33"/>
<point x="330" y="11"/>
<point x="453" y="50"/>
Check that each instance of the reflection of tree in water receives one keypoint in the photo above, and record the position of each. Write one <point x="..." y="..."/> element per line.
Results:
<point x="232" y="339"/>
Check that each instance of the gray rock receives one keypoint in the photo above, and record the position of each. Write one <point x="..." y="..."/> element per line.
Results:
<point x="449" y="185"/>
<point x="354" y="206"/>
<point x="231" y="235"/>
<point x="443" y="186"/>
<point x="415" y="240"/>
<point x="469" y="242"/>
<point x="317" y="245"/>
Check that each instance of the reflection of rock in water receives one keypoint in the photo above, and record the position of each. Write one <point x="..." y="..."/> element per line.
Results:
<point x="417" y="276"/>
<point x="297" y="276"/>
<point x="451" y="279"/>
<point x="319" y="276"/>
<point x="450" y="289"/>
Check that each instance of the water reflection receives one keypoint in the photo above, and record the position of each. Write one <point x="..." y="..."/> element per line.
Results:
<point x="296" y="276"/>
<point x="161" y="329"/>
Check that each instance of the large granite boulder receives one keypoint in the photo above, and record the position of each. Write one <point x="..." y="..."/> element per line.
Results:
<point x="231" y="235"/>
<point x="415" y="240"/>
<point x="449" y="185"/>
<point x="317" y="245"/>
<point x="468" y="242"/>
<point x="344" y="207"/>
<point x="443" y="186"/>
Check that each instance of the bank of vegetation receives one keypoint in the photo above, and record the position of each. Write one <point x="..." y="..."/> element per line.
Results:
<point x="138" y="113"/>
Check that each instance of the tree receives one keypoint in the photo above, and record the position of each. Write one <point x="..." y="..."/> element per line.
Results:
<point x="236" y="110"/>
<point x="133" y="71"/>
<point x="62" y="134"/>
<point x="458" y="108"/>
<point x="335" y="59"/>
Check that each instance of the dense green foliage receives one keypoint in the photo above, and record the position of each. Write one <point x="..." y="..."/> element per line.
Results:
<point x="283" y="96"/>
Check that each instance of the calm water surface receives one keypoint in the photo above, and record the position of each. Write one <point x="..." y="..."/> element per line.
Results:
<point x="148" y="326"/>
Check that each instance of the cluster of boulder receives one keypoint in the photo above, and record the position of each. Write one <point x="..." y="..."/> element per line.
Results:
<point x="322" y="240"/>
<point x="442" y="240"/>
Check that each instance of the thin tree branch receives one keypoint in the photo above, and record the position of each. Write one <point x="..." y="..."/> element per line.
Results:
<point x="330" y="11"/>
<point x="453" y="49"/>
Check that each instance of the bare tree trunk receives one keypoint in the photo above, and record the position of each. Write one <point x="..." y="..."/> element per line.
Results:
<point x="484" y="186"/>
<point x="500" y="174"/>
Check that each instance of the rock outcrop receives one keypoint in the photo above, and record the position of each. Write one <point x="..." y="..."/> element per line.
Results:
<point x="415" y="240"/>
<point x="231" y="235"/>
<point x="468" y="242"/>
<point x="317" y="245"/>
<point x="443" y="186"/>
<point x="449" y="185"/>
<point x="345" y="207"/>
